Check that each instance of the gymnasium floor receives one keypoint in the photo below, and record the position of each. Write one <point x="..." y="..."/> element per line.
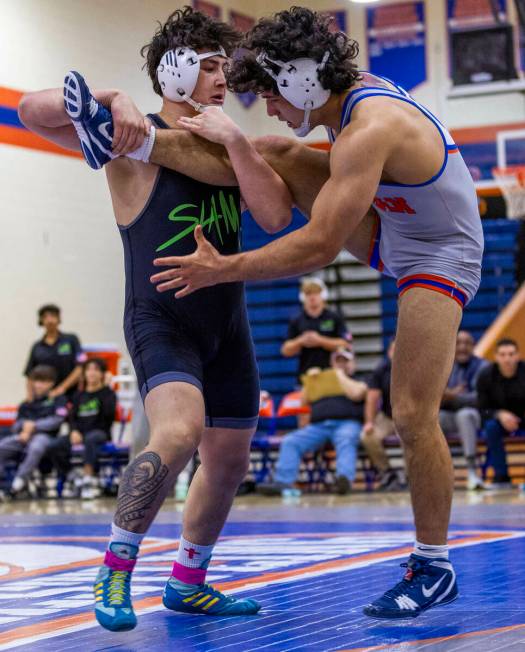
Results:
<point x="313" y="562"/>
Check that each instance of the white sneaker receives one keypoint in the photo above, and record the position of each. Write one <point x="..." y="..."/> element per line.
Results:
<point x="90" y="489"/>
<point x="474" y="483"/>
<point x="17" y="485"/>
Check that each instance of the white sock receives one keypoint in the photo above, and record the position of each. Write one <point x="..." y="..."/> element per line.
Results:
<point x="144" y="151"/>
<point x="431" y="551"/>
<point x="118" y="535"/>
<point x="192" y="555"/>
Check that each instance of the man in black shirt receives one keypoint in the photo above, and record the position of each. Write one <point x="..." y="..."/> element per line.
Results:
<point x="337" y="417"/>
<point x="317" y="331"/>
<point x="501" y="400"/>
<point x="62" y="351"/>
<point x="37" y="424"/>
<point x="91" y="418"/>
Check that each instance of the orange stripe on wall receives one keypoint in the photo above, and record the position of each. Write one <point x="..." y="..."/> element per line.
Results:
<point x="321" y="145"/>
<point x="24" y="138"/>
<point x="463" y="136"/>
<point x="9" y="97"/>
<point x="482" y="134"/>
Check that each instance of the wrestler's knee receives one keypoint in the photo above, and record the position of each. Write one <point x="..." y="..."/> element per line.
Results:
<point x="413" y="420"/>
<point x="173" y="441"/>
<point x="228" y="471"/>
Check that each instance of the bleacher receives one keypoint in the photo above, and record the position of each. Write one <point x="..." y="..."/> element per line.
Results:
<point x="271" y="304"/>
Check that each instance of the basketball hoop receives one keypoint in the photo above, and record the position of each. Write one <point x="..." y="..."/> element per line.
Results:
<point x="511" y="181"/>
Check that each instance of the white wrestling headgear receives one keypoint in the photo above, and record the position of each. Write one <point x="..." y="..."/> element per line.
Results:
<point x="298" y="82"/>
<point x="308" y="281"/>
<point x="178" y="72"/>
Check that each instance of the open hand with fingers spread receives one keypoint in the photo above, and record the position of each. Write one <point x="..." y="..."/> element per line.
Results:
<point x="201" y="269"/>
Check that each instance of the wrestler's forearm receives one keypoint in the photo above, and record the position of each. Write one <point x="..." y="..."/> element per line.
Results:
<point x="302" y="251"/>
<point x="193" y="156"/>
<point x="263" y="190"/>
<point x="43" y="113"/>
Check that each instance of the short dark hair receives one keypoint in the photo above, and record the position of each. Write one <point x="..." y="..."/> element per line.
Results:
<point x="507" y="341"/>
<point x="192" y="29"/>
<point x="98" y="362"/>
<point x="292" y="34"/>
<point x="48" y="307"/>
<point x="43" y="372"/>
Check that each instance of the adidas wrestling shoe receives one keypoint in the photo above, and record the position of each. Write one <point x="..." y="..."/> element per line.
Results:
<point x="427" y="583"/>
<point x="112" y="588"/>
<point x="204" y="599"/>
<point x="92" y="121"/>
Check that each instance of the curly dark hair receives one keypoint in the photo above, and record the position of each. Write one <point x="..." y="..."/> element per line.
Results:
<point x="292" y="34"/>
<point x="192" y="29"/>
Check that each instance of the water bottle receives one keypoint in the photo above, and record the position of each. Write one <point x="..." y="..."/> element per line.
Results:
<point x="291" y="492"/>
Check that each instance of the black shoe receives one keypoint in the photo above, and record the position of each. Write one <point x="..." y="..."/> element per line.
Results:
<point x="272" y="488"/>
<point x="501" y="479"/>
<point x="342" y="485"/>
<point x="390" y="481"/>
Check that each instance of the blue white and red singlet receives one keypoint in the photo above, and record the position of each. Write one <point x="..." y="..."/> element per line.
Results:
<point x="427" y="234"/>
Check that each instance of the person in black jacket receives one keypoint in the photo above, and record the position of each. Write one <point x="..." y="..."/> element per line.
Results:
<point x="91" y="418"/>
<point x="37" y="424"/>
<point x="501" y="400"/>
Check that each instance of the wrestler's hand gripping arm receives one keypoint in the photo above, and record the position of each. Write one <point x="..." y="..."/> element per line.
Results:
<point x="264" y="192"/>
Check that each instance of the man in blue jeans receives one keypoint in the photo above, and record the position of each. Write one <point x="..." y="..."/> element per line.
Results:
<point x="501" y="400"/>
<point x="337" y="418"/>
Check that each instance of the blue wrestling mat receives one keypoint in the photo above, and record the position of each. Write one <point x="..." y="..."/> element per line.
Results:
<point x="312" y="579"/>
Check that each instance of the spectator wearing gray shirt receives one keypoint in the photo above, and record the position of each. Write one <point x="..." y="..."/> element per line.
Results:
<point x="459" y="412"/>
<point x="37" y="425"/>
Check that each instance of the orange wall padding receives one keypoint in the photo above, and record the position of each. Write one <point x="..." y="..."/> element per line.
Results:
<point x="509" y="323"/>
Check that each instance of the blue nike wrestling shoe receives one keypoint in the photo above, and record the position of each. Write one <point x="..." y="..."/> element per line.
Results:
<point x="112" y="588"/>
<point x="427" y="583"/>
<point x="92" y="121"/>
<point x="204" y="599"/>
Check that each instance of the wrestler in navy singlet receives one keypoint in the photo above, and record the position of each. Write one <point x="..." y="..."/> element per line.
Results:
<point x="204" y="338"/>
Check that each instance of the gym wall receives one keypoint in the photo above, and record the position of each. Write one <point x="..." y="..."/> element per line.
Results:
<point x="59" y="242"/>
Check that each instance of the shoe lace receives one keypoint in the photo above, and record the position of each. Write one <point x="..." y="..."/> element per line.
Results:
<point x="414" y="576"/>
<point x="118" y="587"/>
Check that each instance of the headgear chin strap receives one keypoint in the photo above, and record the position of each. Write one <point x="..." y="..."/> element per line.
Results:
<point x="298" y="82"/>
<point x="178" y="72"/>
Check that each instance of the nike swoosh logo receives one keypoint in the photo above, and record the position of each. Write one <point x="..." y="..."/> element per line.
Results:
<point x="428" y="593"/>
<point x="103" y="129"/>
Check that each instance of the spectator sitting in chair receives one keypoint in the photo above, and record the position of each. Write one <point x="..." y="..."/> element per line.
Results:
<point x="62" y="351"/>
<point x="37" y="424"/>
<point x="336" y="400"/>
<point x="459" y="407"/>
<point x="501" y="400"/>
<point x="316" y="332"/>
<point x="91" y="418"/>
<point x="379" y="424"/>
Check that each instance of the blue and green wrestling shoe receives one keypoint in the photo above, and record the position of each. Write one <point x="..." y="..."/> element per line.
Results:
<point x="204" y="599"/>
<point x="92" y="121"/>
<point x="112" y="588"/>
<point x="427" y="583"/>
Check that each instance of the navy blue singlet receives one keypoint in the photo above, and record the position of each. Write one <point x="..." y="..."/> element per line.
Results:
<point x="203" y="339"/>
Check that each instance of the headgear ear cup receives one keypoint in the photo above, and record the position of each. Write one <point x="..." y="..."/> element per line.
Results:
<point x="298" y="82"/>
<point x="178" y="72"/>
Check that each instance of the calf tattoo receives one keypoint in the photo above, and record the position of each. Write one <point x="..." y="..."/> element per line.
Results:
<point x="143" y="489"/>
